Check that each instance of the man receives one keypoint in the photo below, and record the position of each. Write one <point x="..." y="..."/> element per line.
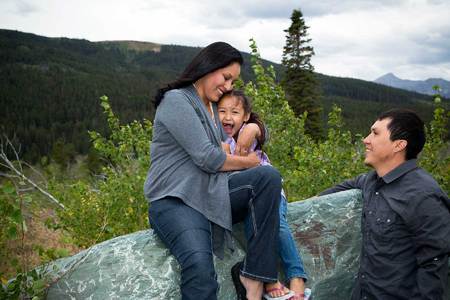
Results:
<point x="405" y="219"/>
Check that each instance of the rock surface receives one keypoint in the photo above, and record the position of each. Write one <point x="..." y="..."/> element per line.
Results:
<point x="138" y="266"/>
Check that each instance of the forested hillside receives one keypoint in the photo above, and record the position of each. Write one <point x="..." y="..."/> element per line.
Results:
<point x="49" y="89"/>
<point x="361" y="101"/>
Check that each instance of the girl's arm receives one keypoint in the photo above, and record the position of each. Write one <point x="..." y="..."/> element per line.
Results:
<point x="246" y="138"/>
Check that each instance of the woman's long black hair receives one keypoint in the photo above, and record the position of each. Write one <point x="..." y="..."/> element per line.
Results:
<point x="214" y="56"/>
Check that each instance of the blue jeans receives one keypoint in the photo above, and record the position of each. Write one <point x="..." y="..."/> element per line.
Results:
<point x="187" y="233"/>
<point x="291" y="260"/>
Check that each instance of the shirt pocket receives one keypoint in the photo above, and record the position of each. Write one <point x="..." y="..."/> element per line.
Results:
<point x="387" y="225"/>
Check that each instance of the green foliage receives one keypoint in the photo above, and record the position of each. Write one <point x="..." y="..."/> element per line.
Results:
<point x="321" y="164"/>
<point x="49" y="254"/>
<point x="435" y="157"/>
<point x="270" y="103"/>
<point x="26" y="284"/>
<point x="63" y="154"/>
<point x="11" y="218"/>
<point x="299" y="81"/>
<point x="112" y="203"/>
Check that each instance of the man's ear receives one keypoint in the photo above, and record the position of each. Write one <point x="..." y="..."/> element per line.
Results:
<point x="400" y="145"/>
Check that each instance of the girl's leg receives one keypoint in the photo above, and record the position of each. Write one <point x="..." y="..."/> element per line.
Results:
<point x="292" y="262"/>
<point x="187" y="234"/>
<point x="252" y="193"/>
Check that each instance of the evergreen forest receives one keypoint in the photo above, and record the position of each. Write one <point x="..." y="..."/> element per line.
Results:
<point x="49" y="89"/>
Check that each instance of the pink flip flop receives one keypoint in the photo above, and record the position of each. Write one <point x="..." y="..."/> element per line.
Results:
<point x="305" y="296"/>
<point x="284" y="297"/>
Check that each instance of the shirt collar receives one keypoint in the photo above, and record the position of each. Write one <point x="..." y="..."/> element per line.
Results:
<point x="401" y="170"/>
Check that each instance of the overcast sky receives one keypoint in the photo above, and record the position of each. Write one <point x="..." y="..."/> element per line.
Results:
<point x="352" y="38"/>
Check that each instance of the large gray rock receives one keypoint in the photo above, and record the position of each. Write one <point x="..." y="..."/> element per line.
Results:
<point x="138" y="266"/>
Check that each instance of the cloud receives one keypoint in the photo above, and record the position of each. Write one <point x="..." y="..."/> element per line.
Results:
<point x="331" y="7"/>
<point x="368" y="43"/>
<point x="24" y="8"/>
<point x="18" y="7"/>
<point x="356" y="38"/>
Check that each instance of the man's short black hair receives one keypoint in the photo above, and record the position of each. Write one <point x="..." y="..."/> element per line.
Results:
<point x="406" y="125"/>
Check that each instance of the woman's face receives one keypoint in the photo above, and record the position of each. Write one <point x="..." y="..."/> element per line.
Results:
<point x="232" y="114"/>
<point x="213" y="85"/>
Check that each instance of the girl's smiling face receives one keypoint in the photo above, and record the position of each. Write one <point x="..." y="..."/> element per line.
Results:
<point x="232" y="114"/>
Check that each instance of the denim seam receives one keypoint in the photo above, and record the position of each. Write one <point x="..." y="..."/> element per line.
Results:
<point x="299" y="275"/>
<point x="270" y="279"/>
<point x="212" y="251"/>
<point x="241" y="187"/>
<point x="252" y="212"/>
<point x="231" y="174"/>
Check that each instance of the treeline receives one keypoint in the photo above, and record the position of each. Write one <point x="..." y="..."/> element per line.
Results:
<point x="49" y="89"/>
<point x="362" y="101"/>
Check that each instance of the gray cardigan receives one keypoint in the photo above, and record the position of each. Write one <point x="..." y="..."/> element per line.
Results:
<point x="186" y="156"/>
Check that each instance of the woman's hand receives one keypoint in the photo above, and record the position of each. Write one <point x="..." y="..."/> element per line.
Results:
<point x="254" y="160"/>
<point x="234" y="162"/>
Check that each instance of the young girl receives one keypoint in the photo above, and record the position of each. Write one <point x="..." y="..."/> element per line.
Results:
<point x="247" y="134"/>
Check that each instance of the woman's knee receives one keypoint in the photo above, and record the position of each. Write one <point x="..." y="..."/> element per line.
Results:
<point x="271" y="174"/>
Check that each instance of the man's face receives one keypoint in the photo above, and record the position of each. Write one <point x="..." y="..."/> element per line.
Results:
<point x="379" y="147"/>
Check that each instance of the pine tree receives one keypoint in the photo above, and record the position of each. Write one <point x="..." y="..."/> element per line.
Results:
<point x="299" y="81"/>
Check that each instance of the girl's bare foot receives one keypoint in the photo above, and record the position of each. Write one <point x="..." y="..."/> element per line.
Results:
<point x="297" y="285"/>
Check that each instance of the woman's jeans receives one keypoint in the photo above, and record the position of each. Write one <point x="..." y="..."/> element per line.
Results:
<point x="187" y="233"/>
<point x="292" y="262"/>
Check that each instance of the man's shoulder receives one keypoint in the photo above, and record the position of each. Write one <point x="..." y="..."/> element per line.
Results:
<point x="418" y="189"/>
<point x="421" y="181"/>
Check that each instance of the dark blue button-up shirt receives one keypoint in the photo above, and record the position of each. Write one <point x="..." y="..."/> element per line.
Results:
<point x="405" y="228"/>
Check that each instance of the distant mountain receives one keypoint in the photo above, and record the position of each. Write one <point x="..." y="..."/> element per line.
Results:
<point x="419" y="86"/>
<point x="50" y="88"/>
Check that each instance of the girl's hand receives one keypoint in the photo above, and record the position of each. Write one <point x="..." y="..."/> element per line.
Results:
<point x="226" y="148"/>
<point x="253" y="160"/>
<point x="246" y="138"/>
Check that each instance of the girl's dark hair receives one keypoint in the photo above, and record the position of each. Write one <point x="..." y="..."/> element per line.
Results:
<point x="214" y="56"/>
<point x="254" y="118"/>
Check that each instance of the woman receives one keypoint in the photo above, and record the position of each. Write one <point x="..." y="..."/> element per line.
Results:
<point x="194" y="200"/>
